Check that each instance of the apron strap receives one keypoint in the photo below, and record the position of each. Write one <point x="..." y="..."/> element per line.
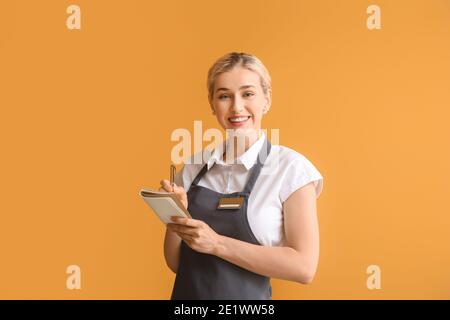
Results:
<point x="254" y="171"/>
<point x="200" y="174"/>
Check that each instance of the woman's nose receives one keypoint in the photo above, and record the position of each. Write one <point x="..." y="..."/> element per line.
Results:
<point x="238" y="105"/>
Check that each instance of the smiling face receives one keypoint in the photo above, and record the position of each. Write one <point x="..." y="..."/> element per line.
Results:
<point x="239" y="101"/>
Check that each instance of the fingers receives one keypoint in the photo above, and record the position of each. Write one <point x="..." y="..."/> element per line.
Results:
<point x="178" y="189"/>
<point x="180" y="229"/>
<point x="188" y="239"/>
<point x="161" y="189"/>
<point x="165" y="185"/>
<point x="187" y="234"/>
<point x="187" y="221"/>
<point x="180" y="192"/>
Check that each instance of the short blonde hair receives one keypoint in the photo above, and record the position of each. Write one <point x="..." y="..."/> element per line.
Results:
<point x="233" y="59"/>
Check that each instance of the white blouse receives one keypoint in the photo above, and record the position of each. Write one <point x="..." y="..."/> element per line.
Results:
<point x="284" y="171"/>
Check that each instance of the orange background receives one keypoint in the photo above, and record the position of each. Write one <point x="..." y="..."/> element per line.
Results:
<point x="86" y="118"/>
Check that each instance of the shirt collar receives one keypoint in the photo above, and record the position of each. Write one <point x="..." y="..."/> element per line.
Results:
<point x="248" y="158"/>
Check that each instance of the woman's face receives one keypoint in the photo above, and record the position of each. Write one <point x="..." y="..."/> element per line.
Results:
<point x="239" y="101"/>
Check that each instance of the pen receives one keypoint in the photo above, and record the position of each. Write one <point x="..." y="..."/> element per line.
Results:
<point x="172" y="174"/>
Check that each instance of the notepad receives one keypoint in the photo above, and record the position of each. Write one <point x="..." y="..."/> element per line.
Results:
<point x="164" y="204"/>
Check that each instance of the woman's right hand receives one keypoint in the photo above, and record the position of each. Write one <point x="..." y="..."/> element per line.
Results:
<point x="179" y="191"/>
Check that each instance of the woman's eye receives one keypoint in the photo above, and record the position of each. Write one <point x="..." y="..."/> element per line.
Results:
<point x="249" y="94"/>
<point x="223" y="96"/>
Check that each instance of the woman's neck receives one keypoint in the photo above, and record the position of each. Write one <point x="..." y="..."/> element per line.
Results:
<point x="239" y="145"/>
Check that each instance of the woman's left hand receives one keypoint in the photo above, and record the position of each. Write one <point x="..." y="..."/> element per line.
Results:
<point x="196" y="233"/>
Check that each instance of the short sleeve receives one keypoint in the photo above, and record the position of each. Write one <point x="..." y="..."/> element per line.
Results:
<point x="299" y="173"/>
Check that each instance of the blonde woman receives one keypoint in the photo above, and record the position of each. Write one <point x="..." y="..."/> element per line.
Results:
<point x="246" y="227"/>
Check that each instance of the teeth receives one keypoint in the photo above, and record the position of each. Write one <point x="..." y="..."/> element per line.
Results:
<point x="240" y="119"/>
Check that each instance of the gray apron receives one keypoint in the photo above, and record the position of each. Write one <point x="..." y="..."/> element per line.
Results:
<point x="206" y="276"/>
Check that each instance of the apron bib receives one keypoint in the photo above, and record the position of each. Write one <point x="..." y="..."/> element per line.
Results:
<point x="207" y="277"/>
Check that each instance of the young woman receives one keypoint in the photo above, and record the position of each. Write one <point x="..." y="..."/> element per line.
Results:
<point x="272" y="228"/>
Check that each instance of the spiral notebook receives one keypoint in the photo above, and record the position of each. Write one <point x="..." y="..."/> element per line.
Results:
<point x="164" y="204"/>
